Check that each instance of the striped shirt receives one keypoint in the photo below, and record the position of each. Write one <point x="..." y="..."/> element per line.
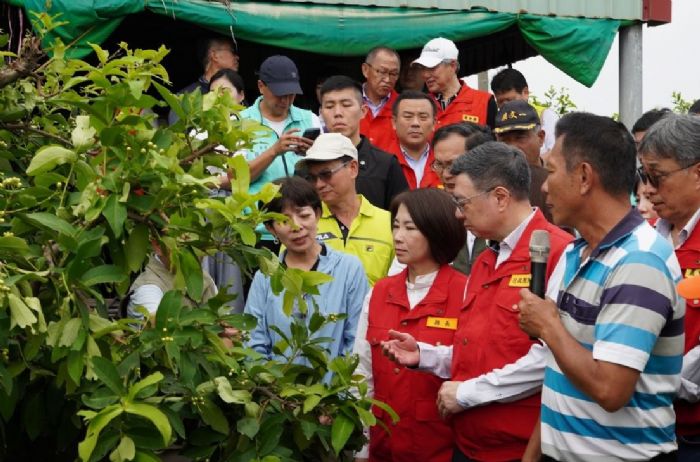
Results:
<point x="620" y="304"/>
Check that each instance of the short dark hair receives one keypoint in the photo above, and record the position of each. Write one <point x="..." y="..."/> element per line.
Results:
<point x="371" y="54"/>
<point x="648" y="119"/>
<point x="473" y="134"/>
<point x="478" y="138"/>
<point x="230" y="75"/>
<point x="412" y="94"/>
<point x="508" y="79"/>
<point x="694" y="108"/>
<point x="433" y="212"/>
<point x="495" y="164"/>
<point x="602" y="142"/>
<point x="207" y="44"/>
<point x="674" y="137"/>
<point x="341" y="82"/>
<point x="295" y="192"/>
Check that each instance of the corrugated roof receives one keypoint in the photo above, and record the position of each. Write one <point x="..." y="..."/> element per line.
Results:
<point x="613" y="9"/>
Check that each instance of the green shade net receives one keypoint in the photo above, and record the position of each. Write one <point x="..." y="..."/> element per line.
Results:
<point x="577" y="46"/>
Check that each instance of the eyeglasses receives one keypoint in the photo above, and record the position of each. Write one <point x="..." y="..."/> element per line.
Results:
<point x="324" y="175"/>
<point x="391" y="75"/>
<point x="655" y="179"/>
<point x="463" y="202"/>
<point x="438" y="166"/>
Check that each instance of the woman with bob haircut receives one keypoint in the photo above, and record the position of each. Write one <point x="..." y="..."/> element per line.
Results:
<point x="300" y="203"/>
<point x="425" y="299"/>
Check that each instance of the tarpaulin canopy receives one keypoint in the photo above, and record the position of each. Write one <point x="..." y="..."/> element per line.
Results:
<point x="577" y="46"/>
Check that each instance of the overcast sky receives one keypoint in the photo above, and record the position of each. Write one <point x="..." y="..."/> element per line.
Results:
<point x="671" y="63"/>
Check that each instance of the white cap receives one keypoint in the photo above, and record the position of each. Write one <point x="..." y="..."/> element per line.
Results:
<point x="330" y="146"/>
<point x="436" y="51"/>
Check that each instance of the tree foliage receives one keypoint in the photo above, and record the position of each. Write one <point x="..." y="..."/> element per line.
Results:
<point x="89" y="184"/>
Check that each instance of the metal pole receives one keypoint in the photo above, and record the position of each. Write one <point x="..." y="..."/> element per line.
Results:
<point x="630" y="82"/>
<point x="483" y="80"/>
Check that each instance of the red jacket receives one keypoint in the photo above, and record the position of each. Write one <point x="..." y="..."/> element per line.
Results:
<point x="430" y="178"/>
<point x="470" y="105"/>
<point x="488" y="338"/>
<point x="688" y="254"/>
<point x="379" y="129"/>
<point x="420" y="435"/>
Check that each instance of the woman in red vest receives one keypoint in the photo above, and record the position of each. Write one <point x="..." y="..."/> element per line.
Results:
<point x="424" y="299"/>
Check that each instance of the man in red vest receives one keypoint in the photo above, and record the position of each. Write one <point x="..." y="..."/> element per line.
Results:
<point x="670" y="154"/>
<point x="456" y="101"/>
<point x="413" y="122"/>
<point x="381" y="70"/>
<point x="493" y="408"/>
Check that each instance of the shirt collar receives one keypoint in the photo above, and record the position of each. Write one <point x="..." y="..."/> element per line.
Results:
<point x="424" y="154"/>
<point x="663" y="227"/>
<point x="369" y="101"/>
<point x="512" y="239"/>
<point x="621" y="230"/>
<point x="365" y="208"/>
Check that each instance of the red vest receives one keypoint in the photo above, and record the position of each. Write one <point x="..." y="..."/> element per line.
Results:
<point x="420" y="435"/>
<point x="379" y="129"/>
<point x="470" y="105"/>
<point x="688" y="254"/>
<point x="430" y="178"/>
<point x="488" y="338"/>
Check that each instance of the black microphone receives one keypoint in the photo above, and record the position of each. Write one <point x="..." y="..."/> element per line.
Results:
<point x="539" y="253"/>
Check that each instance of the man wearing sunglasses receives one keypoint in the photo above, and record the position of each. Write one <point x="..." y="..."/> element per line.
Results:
<point x="670" y="154"/>
<point x="349" y="222"/>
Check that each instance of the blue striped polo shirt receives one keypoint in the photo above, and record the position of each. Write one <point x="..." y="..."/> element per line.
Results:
<point x="621" y="304"/>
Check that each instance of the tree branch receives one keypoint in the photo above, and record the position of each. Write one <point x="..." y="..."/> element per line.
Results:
<point x="198" y="153"/>
<point x="39" y="131"/>
<point x="25" y="64"/>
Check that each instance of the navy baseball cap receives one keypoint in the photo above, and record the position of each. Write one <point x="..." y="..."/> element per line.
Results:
<point x="281" y="75"/>
<point x="516" y="115"/>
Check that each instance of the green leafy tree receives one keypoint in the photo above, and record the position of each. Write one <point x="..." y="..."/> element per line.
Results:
<point x="89" y="185"/>
<point x="680" y="104"/>
<point x="557" y="100"/>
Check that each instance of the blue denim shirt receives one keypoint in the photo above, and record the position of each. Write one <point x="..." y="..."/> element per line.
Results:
<point x="343" y="295"/>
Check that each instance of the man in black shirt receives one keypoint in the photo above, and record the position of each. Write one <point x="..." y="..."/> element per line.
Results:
<point x="380" y="177"/>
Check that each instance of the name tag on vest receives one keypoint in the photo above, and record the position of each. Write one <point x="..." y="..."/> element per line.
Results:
<point x="520" y="280"/>
<point x="442" y="323"/>
<point x="691" y="272"/>
<point x="470" y="118"/>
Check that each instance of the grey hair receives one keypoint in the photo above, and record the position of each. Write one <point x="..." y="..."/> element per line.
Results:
<point x="676" y="137"/>
<point x="495" y="164"/>
<point x="379" y="49"/>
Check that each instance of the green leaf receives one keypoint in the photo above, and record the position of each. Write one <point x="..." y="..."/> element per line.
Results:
<point x="137" y="247"/>
<point x="20" y="313"/>
<point x="246" y="232"/>
<point x="115" y="213"/>
<point x="102" y="55"/>
<point x="172" y="100"/>
<point x="107" y="373"/>
<point x="70" y="332"/>
<point x="192" y="271"/>
<point x="97" y="423"/>
<point x="388" y="409"/>
<point x="248" y="426"/>
<point x="229" y="395"/>
<point x="103" y="274"/>
<point x="212" y="416"/>
<point x="155" y="415"/>
<point x="12" y="244"/>
<point x="340" y="432"/>
<point x="241" y="174"/>
<point x="125" y="451"/>
<point x="52" y="223"/>
<point x="83" y="135"/>
<point x="49" y="157"/>
<point x="144" y="383"/>
<point x="311" y="402"/>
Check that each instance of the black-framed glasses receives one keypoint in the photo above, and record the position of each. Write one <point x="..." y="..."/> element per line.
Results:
<point x="438" y="166"/>
<point x="391" y="75"/>
<point x="655" y="179"/>
<point x="464" y="201"/>
<point x="324" y="175"/>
